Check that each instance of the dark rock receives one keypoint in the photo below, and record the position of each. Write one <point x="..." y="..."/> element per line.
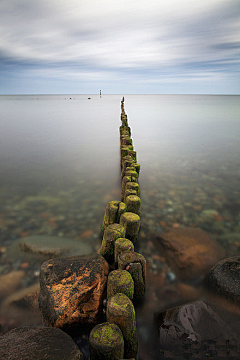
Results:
<point x="224" y="278"/>
<point x="190" y="251"/>
<point x="71" y="290"/>
<point x="27" y="343"/>
<point x="191" y="323"/>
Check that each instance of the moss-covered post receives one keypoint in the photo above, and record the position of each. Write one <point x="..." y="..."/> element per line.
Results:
<point x="129" y="179"/>
<point x="120" y="281"/>
<point x="131" y="173"/>
<point x="110" y="235"/>
<point x="131" y="223"/>
<point x="129" y="192"/>
<point x="132" y="185"/>
<point x="113" y="212"/>
<point x="136" y="264"/>
<point x="106" y="342"/>
<point x="120" y="311"/>
<point x="121" y="245"/>
<point x="133" y="204"/>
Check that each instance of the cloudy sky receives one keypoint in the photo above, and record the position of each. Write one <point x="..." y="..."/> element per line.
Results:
<point x="119" y="46"/>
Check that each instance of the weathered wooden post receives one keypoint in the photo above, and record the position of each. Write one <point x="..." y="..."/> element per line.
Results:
<point x="136" y="264"/>
<point x="120" y="281"/>
<point x="110" y="235"/>
<point x="120" y="311"/>
<point x="131" y="222"/>
<point x="106" y="342"/>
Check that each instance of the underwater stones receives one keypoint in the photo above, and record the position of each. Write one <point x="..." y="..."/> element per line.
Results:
<point x="51" y="246"/>
<point x="194" y="321"/>
<point x="27" y="343"/>
<point x="191" y="251"/>
<point x="224" y="279"/>
<point x="106" y="342"/>
<point x="120" y="281"/>
<point x="111" y="234"/>
<point x="9" y="282"/>
<point x="120" y="311"/>
<point x="71" y="290"/>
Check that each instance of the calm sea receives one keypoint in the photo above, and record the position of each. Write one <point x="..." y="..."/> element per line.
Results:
<point x="59" y="166"/>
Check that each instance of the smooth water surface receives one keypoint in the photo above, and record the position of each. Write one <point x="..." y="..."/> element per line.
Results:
<point x="59" y="159"/>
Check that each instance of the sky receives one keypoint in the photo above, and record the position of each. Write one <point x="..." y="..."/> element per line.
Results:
<point x="119" y="46"/>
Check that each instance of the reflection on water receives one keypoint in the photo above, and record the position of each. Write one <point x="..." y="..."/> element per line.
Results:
<point x="60" y="166"/>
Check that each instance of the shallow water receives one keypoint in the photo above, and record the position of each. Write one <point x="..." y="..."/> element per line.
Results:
<point x="59" y="160"/>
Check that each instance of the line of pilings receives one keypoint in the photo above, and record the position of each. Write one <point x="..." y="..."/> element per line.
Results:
<point x="117" y="337"/>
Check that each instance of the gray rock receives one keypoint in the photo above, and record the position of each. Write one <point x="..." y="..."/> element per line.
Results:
<point x="195" y="321"/>
<point x="224" y="278"/>
<point x="51" y="246"/>
<point x="38" y="343"/>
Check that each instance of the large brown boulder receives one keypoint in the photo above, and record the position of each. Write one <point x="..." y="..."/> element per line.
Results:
<point x="191" y="252"/>
<point x="71" y="290"/>
<point x="38" y="343"/>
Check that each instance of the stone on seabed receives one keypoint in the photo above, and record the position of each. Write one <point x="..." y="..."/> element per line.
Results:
<point x="190" y="250"/>
<point x="195" y="322"/>
<point x="27" y="343"/>
<point x="71" y="290"/>
<point x="224" y="278"/>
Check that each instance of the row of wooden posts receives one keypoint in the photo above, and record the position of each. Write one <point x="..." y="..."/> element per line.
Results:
<point x="117" y="337"/>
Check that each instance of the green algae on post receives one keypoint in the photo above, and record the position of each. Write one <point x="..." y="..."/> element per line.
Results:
<point x="131" y="223"/>
<point x="113" y="212"/>
<point x="106" y="342"/>
<point x="110" y="235"/>
<point x="121" y="245"/>
<point x="129" y="192"/>
<point x="120" y="311"/>
<point x="131" y="173"/>
<point x="133" y="204"/>
<point x="136" y="264"/>
<point x="120" y="281"/>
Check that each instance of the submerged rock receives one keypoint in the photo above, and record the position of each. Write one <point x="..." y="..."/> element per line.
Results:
<point x="224" y="278"/>
<point x="51" y="246"/>
<point x="71" y="290"/>
<point x="10" y="282"/>
<point x="191" y="251"/>
<point x="27" y="343"/>
<point x="195" y="323"/>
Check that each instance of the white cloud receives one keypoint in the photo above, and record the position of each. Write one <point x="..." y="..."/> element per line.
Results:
<point x="107" y="36"/>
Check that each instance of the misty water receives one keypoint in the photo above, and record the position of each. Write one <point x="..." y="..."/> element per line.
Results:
<point x="59" y="167"/>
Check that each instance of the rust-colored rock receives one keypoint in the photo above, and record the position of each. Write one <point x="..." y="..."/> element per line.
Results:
<point x="71" y="290"/>
<point x="190" y="251"/>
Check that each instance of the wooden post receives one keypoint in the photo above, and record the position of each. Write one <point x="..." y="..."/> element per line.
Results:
<point x="106" y="342"/>
<point x="136" y="264"/>
<point x="110" y="235"/>
<point x="131" y="224"/>
<point x="120" y="281"/>
<point x="120" y="311"/>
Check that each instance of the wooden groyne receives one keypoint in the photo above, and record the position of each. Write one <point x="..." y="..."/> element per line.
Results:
<point x="127" y="280"/>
